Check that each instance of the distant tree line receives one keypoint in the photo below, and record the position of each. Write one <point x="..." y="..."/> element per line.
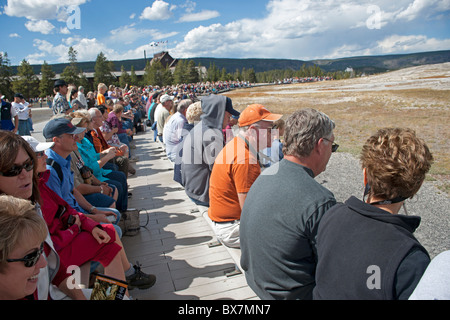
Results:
<point x="27" y="83"/>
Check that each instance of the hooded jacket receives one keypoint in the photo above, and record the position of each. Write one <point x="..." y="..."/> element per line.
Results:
<point x="201" y="147"/>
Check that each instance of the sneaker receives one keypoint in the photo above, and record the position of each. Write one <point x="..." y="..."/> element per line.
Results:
<point x="140" y="279"/>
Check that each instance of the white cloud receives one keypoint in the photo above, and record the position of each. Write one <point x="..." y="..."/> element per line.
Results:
<point x="39" y="9"/>
<point x="295" y="29"/>
<point x="413" y="43"/>
<point x="159" y="10"/>
<point x="42" y="26"/>
<point x="189" y="6"/>
<point x="199" y="16"/>
<point x="14" y="35"/>
<point x="304" y="29"/>
<point x="129" y="34"/>
<point x="36" y="58"/>
<point x="64" y="30"/>
<point x="87" y="49"/>
<point x="415" y="8"/>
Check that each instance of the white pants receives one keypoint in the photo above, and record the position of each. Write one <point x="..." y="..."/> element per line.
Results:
<point x="228" y="233"/>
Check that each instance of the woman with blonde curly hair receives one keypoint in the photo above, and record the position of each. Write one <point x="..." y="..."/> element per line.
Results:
<point x="366" y="249"/>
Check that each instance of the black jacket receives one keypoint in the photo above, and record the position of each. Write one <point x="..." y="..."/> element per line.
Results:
<point x="365" y="252"/>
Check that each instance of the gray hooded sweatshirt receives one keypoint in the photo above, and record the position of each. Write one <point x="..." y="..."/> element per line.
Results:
<point x="201" y="147"/>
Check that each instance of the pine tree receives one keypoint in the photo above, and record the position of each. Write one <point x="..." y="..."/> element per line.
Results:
<point x="124" y="78"/>
<point x="84" y="82"/>
<point x="26" y="83"/>
<point x="46" y="83"/>
<point x="213" y="73"/>
<point x="134" y="81"/>
<point x="167" y="77"/>
<point x="192" y="73"/>
<point x="103" y="71"/>
<point x="5" y="76"/>
<point x="178" y="74"/>
<point x="71" y="73"/>
<point x="155" y="74"/>
<point x="237" y="75"/>
<point x="223" y="75"/>
<point x="251" y="75"/>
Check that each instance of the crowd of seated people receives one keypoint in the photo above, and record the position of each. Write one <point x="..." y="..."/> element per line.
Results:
<point x="251" y="172"/>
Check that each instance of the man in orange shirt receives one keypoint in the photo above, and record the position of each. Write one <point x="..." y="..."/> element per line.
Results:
<point x="235" y="169"/>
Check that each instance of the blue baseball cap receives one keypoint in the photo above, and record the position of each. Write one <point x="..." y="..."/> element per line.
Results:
<point x="59" y="126"/>
<point x="230" y="109"/>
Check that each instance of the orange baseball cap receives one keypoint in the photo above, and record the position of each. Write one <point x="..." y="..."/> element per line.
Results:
<point x="256" y="112"/>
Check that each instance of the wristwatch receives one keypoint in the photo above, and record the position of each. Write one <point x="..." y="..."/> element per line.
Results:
<point x="92" y="209"/>
<point x="101" y="189"/>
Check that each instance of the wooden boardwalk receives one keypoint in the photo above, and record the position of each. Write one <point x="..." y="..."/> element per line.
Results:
<point x="174" y="245"/>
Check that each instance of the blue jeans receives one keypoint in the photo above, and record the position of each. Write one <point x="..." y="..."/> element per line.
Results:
<point x="155" y="131"/>
<point x="100" y="200"/>
<point x="124" y="138"/>
<point x="24" y="129"/>
<point x="119" y="180"/>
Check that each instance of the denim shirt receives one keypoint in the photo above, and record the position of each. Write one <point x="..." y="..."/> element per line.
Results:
<point x="62" y="188"/>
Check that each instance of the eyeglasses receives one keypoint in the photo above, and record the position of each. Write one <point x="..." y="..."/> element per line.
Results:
<point x="16" y="170"/>
<point x="30" y="259"/>
<point x="40" y="154"/>
<point x="334" y="146"/>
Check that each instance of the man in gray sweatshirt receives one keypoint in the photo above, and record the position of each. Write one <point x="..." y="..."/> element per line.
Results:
<point x="202" y="145"/>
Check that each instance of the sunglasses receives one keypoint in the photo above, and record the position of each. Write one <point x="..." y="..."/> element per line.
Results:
<point x="30" y="259"/>
<point x="16" y="170"/>
<point x="334" y="146"/>
<point x="40" y="154"/>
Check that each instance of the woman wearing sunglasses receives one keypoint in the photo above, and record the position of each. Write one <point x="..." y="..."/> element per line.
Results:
<point x="22" y="238"/>
<point x="19" y="168"/>
<point x="18" y="178"/>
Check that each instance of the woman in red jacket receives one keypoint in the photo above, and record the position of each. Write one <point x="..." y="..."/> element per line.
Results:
<point x="79" y="239"/>
<point x="70" y="243"/>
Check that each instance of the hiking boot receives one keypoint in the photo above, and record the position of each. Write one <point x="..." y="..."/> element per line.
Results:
<point x="140" y="279"/>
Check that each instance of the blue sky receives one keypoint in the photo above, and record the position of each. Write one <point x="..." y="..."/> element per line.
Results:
<point x="38" y="30"/>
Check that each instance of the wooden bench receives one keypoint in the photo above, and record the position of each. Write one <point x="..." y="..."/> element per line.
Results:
<point x="235" y="253"/>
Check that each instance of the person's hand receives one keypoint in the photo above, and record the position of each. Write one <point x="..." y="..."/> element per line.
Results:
<point x="110" y="153"/>
<point x="77" y="221"/>
<point x="100" y="235"/>
<point x="107" y="190"/>
<point x="99" y="216"/>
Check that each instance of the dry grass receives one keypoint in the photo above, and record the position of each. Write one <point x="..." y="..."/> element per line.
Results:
<point x="360" y="114"/>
